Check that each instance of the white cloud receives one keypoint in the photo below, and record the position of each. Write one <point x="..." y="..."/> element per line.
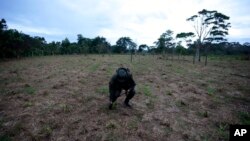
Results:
<point x="35" y="30"/>
<point x="145" y="20"/>
<point x="142" y="20"/>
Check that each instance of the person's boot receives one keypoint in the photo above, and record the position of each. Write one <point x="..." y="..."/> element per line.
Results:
<point x="110" y="106"/>
<point x="126" y="103"/>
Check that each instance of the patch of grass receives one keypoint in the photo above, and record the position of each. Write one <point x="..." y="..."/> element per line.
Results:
<point x="180" y="103"/>
<point x="150" y="103"/>
<point x="179" y="70"/>
<point x="203" y="114"/>
<point x="244" y="118"/>
<point x="206" y="137"/>
<point x="94" y="67"/>
<point x="86" y="99"/>
<point x="103" y="90"/>
<point x="223" y="131"/>
<point x="147" y="91"/>
<point x="83" y="81"/>
<point x="5" y="138"/>
<point x="16" y="129"/>
<point x="112" y="137"/>
<point x="29" y="89"/>
<point x="168" y="130"/>
<point x="66" y="108"/>
<point x="133" y="124"/>
<point x="211" y="91"/>
<point x="28" y="104"/>
<point x="211" y="81"/>
<point x="111" y="124"/>
<point x="110" y="70"/>
<point x="12" y="79"/>
<point x="46" y="131"/>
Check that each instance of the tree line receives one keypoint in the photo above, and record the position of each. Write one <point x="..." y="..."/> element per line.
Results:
<point x="210" y="28"/>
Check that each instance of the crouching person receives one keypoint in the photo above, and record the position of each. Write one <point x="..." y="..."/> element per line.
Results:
<point x="122" y="80"/>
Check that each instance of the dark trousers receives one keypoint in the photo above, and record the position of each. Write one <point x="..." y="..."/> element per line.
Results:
<point x="114" y="94"/>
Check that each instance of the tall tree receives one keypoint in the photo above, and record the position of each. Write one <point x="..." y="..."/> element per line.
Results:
<point x="208" y="24"/>
<point x="165" y="42"/>
<point x="187" y="38"/>
<point x="3" y="25"/>
<point x="142" y="47"/>
<point x="125" y="43"/>
<point x="84" y="44"/>
<point x="65" y="46"/>
<point x="100" y="45"/>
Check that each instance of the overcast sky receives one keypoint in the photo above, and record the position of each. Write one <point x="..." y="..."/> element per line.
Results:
<point x="141" y="20"/>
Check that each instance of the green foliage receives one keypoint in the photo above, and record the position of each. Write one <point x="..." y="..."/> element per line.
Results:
<point x="165" y="42"/>
<point x="123" y="44"/>
<point x="28" y="104"/>
<point x="103" y="90"/>
<point x="46" y="130"/>
<point x="244" y="118"/>
<point x="203" y="114"/>
<point x="111" y="124"/>
<point x="5" y="138"/>
<point x="133" y="124"/>
<point x="142" y="47"/>
<point x="29" y="89"/>
<point x="94" y="67"/>
<point x="147" y="91"/>
<point x="15" y="44"/>
<point x="223" y="130"/>
<point x="65" y="107"/>
<point x="211" y="91"/>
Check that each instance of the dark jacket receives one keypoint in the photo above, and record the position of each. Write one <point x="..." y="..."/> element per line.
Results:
<point x="129" y="83"/>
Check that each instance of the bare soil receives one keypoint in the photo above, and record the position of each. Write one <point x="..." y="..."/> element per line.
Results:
<point x="66" y="98"/>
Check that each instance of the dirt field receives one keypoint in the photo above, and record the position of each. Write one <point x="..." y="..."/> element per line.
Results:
<point x="66" y="98"/>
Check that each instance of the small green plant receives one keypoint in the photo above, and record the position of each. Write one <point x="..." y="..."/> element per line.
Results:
<point x="147" y="91"/>
<point x="223" y="130"/>
<point x="111" y="124"/>
<point x="205" y="138"/>
<point x="29" y="89"/>
<point x="244" y="118"/>
<point x="111" y="136"/>
<point x="46" y="130"/>
<point x="28" y="104"/>
<point x="5" y="138"/>
<point x="210" y="91"/>
<point x="94" y="67"/>
<point x="83" y="81"/>
<point x="133" y="124"/>
<point x="66" y="108"/>
<point x="102" y="90"/>
<point x="203" y="114"/>
<point x="110" y="71"/>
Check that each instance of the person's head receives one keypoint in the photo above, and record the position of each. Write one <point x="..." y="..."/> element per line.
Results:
<point x="122" y="74"/>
